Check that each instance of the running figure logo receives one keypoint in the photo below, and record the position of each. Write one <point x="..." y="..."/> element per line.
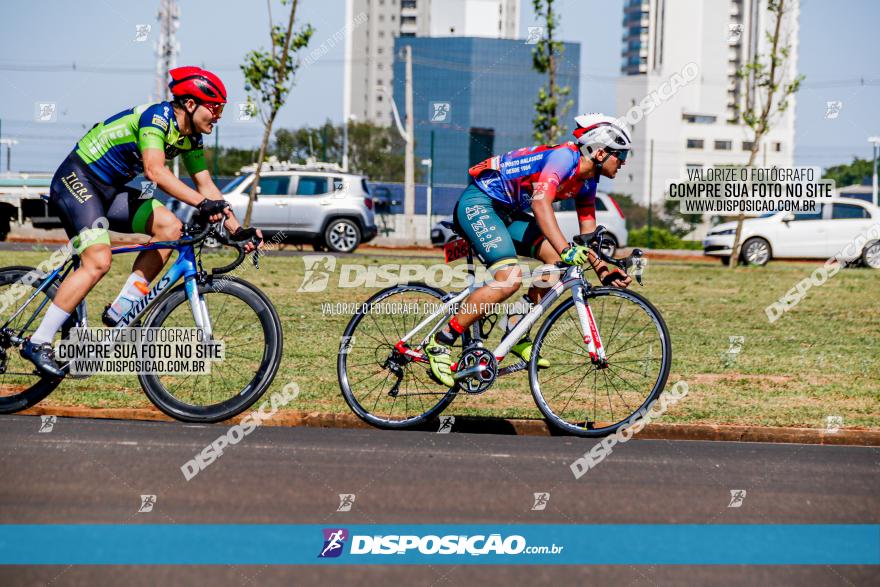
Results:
<point x="346" y="500"/>
<point x="737" y="497"/>
<point x="317" y="275"/>
<point x="541" y="501"/>
<point x="47" y="423"/>
<point x="147" y="503"/>
<point x="334" y="541"/>
<point x="440" y="111"/>
<point x="446" y="423"/>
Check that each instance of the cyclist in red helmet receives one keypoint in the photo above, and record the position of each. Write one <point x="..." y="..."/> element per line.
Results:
<point x="90" y="195"/>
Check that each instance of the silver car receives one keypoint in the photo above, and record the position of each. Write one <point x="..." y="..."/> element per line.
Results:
<point x="317" y="204"/>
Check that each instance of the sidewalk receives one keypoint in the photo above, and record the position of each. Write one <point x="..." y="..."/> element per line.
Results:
<point x="483" y="425"/>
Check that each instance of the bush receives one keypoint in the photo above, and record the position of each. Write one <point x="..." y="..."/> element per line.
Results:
<point x="660" y="239"/>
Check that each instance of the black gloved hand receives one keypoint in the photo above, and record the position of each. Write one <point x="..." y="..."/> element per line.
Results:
<point x="242" y="234"/>
<point x="208" y="207"/>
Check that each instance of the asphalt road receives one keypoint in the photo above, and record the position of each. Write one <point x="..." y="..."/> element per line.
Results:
<point x="94" y="471"/>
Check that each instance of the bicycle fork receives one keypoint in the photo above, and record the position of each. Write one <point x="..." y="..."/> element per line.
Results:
<point x="588" y="327"/>
<point x="198" y="306"/>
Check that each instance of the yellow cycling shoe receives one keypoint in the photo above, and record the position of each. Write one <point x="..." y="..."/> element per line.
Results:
<point x="440" y="360"/>
<point x="523" y="350"/>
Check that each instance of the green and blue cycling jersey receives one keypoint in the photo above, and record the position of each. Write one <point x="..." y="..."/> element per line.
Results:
<point x="113" y="149"/>
<point x="89" y="191"/>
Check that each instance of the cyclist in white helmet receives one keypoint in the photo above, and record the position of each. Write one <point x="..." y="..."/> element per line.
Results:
<point x="490" y="213"/>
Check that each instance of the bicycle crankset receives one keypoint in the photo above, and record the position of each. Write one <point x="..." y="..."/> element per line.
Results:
<point x="476" y="370"/>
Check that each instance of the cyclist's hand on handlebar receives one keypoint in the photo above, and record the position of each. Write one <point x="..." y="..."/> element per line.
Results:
<point x="252" y="236"/>
<point x="214" y="210"/>
<point x="611" y="277"/>
<point x="575" y="254"/>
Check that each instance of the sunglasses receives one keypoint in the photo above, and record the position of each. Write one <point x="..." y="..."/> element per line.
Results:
<point x="215" y="109"/>
<point x="621" y="155"/>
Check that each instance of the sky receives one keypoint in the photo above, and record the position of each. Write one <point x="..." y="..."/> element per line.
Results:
<point x="83" y="56"/>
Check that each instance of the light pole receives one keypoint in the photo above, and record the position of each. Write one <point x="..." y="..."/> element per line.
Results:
<point x="429" y="163"/>
<point x="8" y="143"/>
<point x="876" y="142"/>
<point x="351" y="117"/>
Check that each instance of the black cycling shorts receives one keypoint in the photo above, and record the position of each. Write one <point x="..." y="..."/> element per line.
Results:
<point x="88" y="207"/>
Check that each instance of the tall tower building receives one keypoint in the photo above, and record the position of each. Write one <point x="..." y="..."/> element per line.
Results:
<point x="370" y="46"/>
<point x="696" y="126"/>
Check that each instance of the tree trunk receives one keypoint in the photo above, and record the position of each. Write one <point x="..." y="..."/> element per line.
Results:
<point x="761" y="126"/>
<point x="267" y="132"/>
<point x="264" y="145"/>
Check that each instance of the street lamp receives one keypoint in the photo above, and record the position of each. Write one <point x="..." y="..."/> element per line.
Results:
<point x="429" y="163"/>
<point x="876" y="142"/>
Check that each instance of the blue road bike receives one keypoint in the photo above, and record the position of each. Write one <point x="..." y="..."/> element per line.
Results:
<point x="225" y="307"/>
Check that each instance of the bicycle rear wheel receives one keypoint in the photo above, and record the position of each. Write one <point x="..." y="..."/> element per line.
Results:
<point x="383" y="386"/>
<point x="20" y="386"/>
<point x="590" y="400"/>
<point x="245" y="320"/>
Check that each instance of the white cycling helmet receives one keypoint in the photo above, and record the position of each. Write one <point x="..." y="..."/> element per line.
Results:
<point x="598" y="131"/>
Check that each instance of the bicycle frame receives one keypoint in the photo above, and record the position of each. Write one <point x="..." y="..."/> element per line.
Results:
<point x="184" y="267"/>
<point x="571" y="279"/>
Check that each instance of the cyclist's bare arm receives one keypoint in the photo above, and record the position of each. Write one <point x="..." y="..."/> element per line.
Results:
<point x="155" y="171"/>
<point x="206" y="187"/>
<point x="543" y="196"/>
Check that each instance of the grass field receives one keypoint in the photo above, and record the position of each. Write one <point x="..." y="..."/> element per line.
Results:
<point x="820" y="359"/>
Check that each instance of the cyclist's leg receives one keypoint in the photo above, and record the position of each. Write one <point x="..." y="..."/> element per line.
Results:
<point x="76" y="197"/>
<point x="529" y="240"/>
<point x="483" y="222"/>
<point x="129" y="212"/>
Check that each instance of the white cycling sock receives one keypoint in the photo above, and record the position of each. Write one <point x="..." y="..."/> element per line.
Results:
<point x="134" y="290"/>
<point x="51" y="324"/>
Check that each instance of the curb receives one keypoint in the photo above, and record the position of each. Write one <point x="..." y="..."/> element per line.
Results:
<point x="524" y="427"/>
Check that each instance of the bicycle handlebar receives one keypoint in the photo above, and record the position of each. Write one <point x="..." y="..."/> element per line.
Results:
<point x="595" y="241"/>
<point x="197" y="234"/>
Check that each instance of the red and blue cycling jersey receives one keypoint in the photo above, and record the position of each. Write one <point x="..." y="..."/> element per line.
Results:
<point x="514" y="177"/>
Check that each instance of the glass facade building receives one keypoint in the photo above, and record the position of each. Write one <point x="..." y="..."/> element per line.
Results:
<point x="477" y="95"/>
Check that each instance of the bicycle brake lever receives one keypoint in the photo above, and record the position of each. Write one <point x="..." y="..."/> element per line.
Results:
<point x="256" y="259"/>
<point x="636" y="260"/>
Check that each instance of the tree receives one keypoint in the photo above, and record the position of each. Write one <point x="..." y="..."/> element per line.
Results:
<point x="374" y="151"/>
<point x="231" y="159"/>
<point x="853" y="173"/>
<point x="767" y="93"/>
<point x="548" y="109"/>
<point x="269" y="76"/>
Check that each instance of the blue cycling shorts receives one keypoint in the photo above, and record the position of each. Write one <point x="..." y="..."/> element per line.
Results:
<point x="498" y="232"/>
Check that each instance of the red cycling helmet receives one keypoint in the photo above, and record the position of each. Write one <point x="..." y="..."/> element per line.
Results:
<point x="199" y="83"/>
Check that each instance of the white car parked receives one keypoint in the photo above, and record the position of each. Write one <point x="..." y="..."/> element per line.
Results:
<point x="823" y="234"/>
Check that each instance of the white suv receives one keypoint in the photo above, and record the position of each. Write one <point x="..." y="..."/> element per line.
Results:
<point x="316" y="203"/>
<point x="785" y="235"/>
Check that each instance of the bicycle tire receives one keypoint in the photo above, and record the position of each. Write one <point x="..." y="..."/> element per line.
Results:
<point x="264" y="374"/>
<point x="655" y="391"/>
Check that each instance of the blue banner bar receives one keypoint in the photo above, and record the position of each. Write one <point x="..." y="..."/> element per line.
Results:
<point x="633" y="544"/>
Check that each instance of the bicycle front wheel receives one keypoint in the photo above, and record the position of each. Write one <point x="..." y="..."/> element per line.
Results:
<point x="592" y="400"/>
<point x="245" y="321"/>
